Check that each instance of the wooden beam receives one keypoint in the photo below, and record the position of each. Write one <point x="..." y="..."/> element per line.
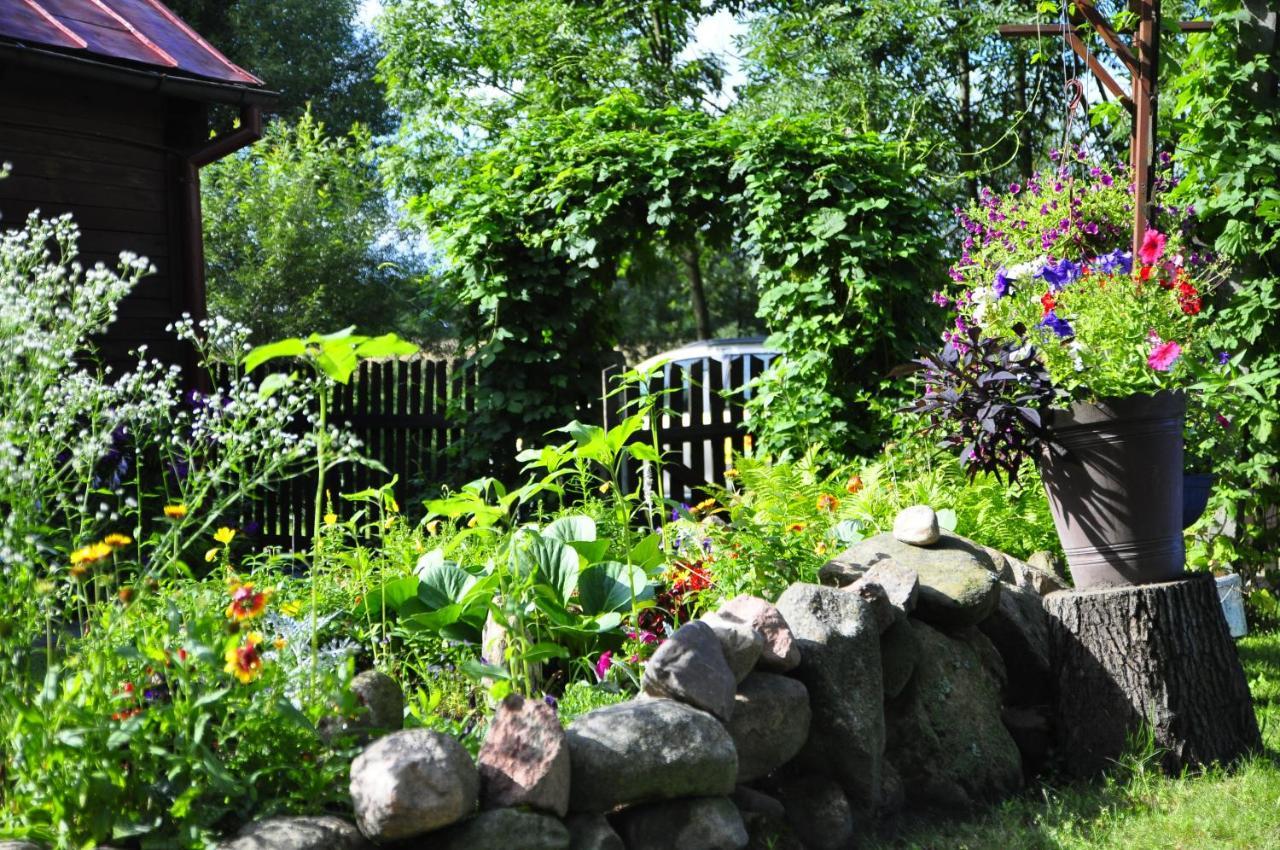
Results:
<point x="1107" y="33"/>
<point x="1099" y="70"/>
<point x="1038" y="30"/>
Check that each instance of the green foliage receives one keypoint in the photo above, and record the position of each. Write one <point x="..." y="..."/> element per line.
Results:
<point x="843" y="246"/>
<point x="294" y="230"/>
<point x="310" y="51"/>
<point x="1225" y="102"/>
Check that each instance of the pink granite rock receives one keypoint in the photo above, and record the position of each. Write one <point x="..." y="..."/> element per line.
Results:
<point x="781" y="652"/>
<point x="525" y="759"/>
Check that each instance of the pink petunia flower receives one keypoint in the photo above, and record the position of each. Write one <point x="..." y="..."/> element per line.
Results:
<point x="603" y="665"/>
<point x="1152" y="247"/>
<point x="1164" y="355"/>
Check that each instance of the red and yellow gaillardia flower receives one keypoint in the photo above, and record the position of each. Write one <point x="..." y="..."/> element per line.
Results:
<point x="247" y="602"/>
<point x="90" y="554"/>
<point x="243" y="660"/>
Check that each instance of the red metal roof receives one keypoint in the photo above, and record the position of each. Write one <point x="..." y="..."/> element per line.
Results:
<point x="128" y="31"/>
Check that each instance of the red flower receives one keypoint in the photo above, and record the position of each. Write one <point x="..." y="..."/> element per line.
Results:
<point x="1152" y="247"/>
<point x="1047" y="300"/>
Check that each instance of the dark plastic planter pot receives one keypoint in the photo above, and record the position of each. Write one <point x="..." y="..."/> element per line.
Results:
<point x="1195" y="496"/>
<point x="1116" y="493"/>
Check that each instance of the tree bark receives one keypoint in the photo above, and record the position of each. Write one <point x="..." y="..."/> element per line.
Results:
<point x="1156" y="656"/>
<point x="701" y="315"/>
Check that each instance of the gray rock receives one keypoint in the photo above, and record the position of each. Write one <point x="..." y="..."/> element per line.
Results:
<point x="382" y="699"/>
<point x="958" y="583"/>
<point x="899" y="653"/>
<point x="411" y="782"/>
<point x="840" y="665"/>
<point x="1000" y="562"/>
<point x="1035" y="579"/>
<point x="780" y="653"/>
<point x="691" y="667"/>
<point x="525" y="758"/>
<point x="18" y="845"/>
<point x="741" y="643"/>
<point x="877" y="598"/>
<point x="1048" y="562"/>
<point x="501" y="829"/>
<point x="770" y="723"/>
<point x="300" y="833"/>
<point x="592" y="832"/>
<point x="646" y="750"/>
<point x="946" y="738"/>
<point x="893" y="794"/>
<point x="704" y="823"/>
<point x="818" y="812"/>
<point x="901" y="584"/>
<point x="1019" y="630"/>
<point x="916" y="525"/>
<point x="749" y="800"/>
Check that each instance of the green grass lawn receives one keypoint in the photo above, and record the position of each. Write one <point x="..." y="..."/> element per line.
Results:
<point x="1137" y="807"/>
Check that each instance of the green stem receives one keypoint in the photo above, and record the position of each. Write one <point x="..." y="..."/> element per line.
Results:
<point x="322" y="435"/>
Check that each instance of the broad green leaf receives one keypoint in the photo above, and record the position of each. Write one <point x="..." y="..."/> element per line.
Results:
<point x="590" y="551"/>
<point x="395" y="594"/>
<point x="611" y="586"/>
<point x="275" y="382"/>
<point x="433" y="621"/>
<point x="569" y="529"/>
<point x="644" y="453"/>
<point x="387" y="345"/>
<point x="442" y="582"/>
<point x="540" y="652"/>
<point x="947" y="519"/>
<point x="847" y="532"/>
<point x="553" y="563"/>
<point x="476" y="670"/>
<point x="648" y="552"/>
<point x="272" y="351"/>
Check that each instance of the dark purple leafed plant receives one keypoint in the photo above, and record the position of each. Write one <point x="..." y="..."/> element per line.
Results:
<point x="989" y="397"/>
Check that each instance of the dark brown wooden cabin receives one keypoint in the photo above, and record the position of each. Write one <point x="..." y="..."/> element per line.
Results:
<point x="104" y="113"/>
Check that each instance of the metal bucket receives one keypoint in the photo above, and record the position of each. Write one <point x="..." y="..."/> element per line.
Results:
<point x="1231" y="597"/>
<point x="1116" y="493"/>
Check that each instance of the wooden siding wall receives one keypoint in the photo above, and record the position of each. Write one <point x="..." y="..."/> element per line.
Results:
<point x="108" y="156"/>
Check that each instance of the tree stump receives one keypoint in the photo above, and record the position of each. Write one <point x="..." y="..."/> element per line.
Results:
<point x="1155" y="655"/>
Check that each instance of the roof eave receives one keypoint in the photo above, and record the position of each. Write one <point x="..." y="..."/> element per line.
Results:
<point x="176" y="85"/>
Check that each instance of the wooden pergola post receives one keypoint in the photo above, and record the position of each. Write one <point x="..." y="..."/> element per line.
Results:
<point x="1142" y="61"/>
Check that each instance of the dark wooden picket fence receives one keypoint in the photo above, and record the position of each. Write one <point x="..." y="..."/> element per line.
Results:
<point x="397" y="408"/>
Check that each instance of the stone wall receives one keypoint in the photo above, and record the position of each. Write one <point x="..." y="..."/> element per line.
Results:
<point x="914" y="677"/>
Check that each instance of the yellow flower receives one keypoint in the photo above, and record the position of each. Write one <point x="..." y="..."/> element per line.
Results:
<point x="796" y="527"/>
<point x="175" y="511"/>
<point x="731" y="473"/>
<point x="279" y="643"/>
<point x="224" y="535"/>
<point x="704" y="506"/>
<point x="243" y="660"/>
<point x="292" y="608"/>
<point x="471" y="523"/>
<point x="392" y="505"/>
<point x="90" y="554"/>
<point x="211" y="555"/>
<point x="79" y="572"/>
<point x="820" y="549"/>
<point x="828" y="503"/>
<point x="604" y="488"/>
<point x="115" y="541"/>
<point x="433" y="527"/>
<point x="331" y="518"/>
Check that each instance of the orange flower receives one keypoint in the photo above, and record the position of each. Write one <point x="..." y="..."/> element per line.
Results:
<point x="247" y="603"/>
<point x="828" y="503"/>
<point x="853" y="485"/>
<point x="116" y="541"/>
<point x="796" y="527"/>
<point x="90" y="554"/>
<point x="175" y="511"/>
<point x="243" y="660"/>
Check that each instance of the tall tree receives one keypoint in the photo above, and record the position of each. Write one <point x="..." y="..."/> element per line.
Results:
<point x="295" y="230"/>
<point x="311" y="51"/>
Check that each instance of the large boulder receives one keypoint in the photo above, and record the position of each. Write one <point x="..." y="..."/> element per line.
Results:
<point x="296" y="833"/>
<point x="818" y="812"/>
<point x="704" y="823"/>
<point x="741" y="643"/>
<point x="899" y="653"/>
<point x="592" y="832"/>
<point x="901" y="584"/>
<point x="1019" y="630"/>
<point x="770" y="723"/>
<point x="501" y="829"/>
<point x="18" y="845"/>
<point x="691" y="667"/>
<point x="525" y="758"/>
<point x="780" y="653"/>
<point x="412" y="782"/>
<point x="839" y="641"/>
<point x="959" y="585"/>
<point x="946" y="738"/>
<point x="646" y="750"/>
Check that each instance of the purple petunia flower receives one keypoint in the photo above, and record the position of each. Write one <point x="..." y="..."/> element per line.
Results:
<point x="1116" y="262"/>
<point x="1059" y="274"/>
<point x="1001" y="286"/>
<point x="1223" y="357"/>
<point x="1057" y="324"/>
